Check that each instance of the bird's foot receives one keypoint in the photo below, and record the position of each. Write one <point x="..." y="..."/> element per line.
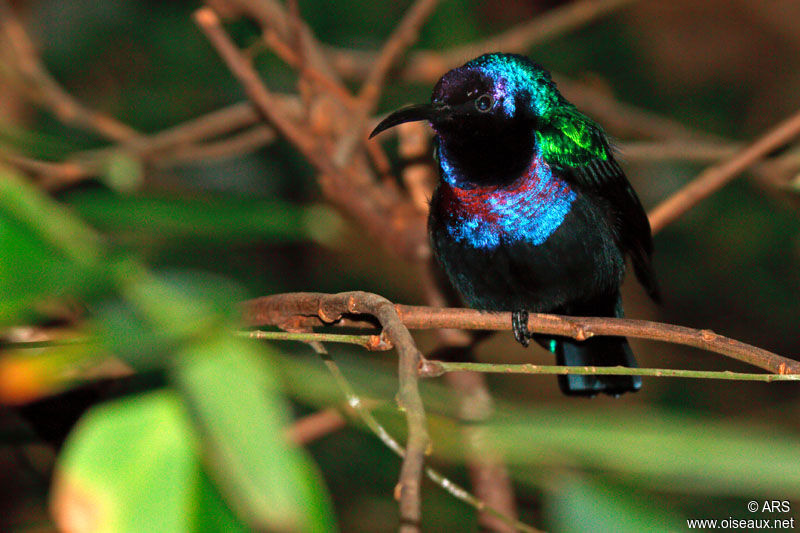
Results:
<point x="519" y="325"/>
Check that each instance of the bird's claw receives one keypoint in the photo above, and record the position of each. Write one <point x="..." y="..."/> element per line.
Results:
<point x="519" y="325"/>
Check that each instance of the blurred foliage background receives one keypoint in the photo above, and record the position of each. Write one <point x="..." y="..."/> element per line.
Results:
<point x="149" y="263"/>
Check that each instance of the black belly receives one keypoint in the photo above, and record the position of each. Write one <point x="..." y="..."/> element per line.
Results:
<point x="579" y="265"/>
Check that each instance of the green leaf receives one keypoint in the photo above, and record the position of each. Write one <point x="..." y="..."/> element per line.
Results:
<point x="578" y="504"/>
<point x="218" y="219"/>
<point x="133" y="465"/>
<point x="46" y="252"/>
<point x="235" y="399"/>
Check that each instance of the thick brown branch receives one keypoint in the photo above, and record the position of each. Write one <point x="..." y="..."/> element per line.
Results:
<point x="300" y="308"/>
<point x="712" y="179"/>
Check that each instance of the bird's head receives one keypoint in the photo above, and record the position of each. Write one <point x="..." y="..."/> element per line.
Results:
<point x="485" y="114"/>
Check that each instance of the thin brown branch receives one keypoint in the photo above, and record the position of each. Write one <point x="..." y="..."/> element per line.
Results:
<point x="316" y="425"/>
<point x="236" y="145"/>
<point x="60" y="102"/>
<point x="331" y="308"/>
<point x="376" y="208"/>
<point x="293" y="59"/>
<point x="302" y="309"/>
<point x="403" y="36"/>
<point x="272" y="14"/>
<point x="408" y="490"/>
<point x="545" y="27"/>
<point x="677" y="150"/>
<point x="362" y="409"/>
<point x="262" y="98"/>
<point x="715" y="177"/>
<point x="428" y="66"/>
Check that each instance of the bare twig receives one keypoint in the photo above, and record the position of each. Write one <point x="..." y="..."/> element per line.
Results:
<point x="373" y="343"/>
<point x="362" y="410"/>
<point x="316" y="425"/>
<point x="261" y="97"/>
<point x="715" y="177"/>
<point x="300" y="308"/>
<point x="59" y="101"/>
<point x="293" y="59"/>
<point x="352" y="190"/>
<point x="403" y="36"/>
<point x="431" y="369"/>
<point x="331" y="308"/>
<point x="428" y="66"/>
<point x="409" y="487"/>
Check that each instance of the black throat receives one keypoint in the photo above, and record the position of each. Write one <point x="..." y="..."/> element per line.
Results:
<point x="475" y="157"/>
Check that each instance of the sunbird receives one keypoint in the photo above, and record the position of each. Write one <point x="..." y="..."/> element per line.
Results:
<point x="531" y="212"/>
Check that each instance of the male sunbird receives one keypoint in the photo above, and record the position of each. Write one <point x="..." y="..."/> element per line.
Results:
<point x="532" y="213"/>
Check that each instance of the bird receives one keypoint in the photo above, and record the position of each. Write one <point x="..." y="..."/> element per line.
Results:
<point x="532" y="213"/>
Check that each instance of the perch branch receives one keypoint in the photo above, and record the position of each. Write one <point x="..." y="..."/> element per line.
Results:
<point x="301" y="309"/>
<point x="431" y="369"/>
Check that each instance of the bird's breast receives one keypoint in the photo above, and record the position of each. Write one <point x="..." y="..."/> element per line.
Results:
<point x="530" y="209"/>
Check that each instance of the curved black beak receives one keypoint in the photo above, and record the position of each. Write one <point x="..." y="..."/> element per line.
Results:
<point x="412" y="113"/>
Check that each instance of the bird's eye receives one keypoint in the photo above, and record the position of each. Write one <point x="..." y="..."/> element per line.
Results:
<point x="484" y="103"/>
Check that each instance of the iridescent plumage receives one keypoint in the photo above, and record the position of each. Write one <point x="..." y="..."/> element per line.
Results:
<point x="530" y="209"/>
<point x="532" y="212"/>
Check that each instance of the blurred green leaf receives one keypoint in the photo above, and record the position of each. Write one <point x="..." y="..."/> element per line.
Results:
<point x="51" y="222"/>
<point x="656" y="449"/>
<point x="213" y="218"/>
<point x="236" y="402"/>
<point x="575" y="504"/>
<point x="133" y="465"/>
<point x="46" y="251"/>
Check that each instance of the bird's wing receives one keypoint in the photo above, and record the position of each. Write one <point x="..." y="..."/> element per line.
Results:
<point x="577" y="147"/>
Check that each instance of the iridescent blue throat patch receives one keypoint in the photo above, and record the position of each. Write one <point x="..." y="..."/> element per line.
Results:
<point x="529" y="210"/>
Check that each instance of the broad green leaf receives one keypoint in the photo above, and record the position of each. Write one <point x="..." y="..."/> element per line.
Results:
<point x="51" y="222"/>
<point x="133" y="465"/>
<point x="46" y="252"/>
<point x="218" y="219"/>
<point x="574" y="504"/>
<point x="242" y="417"/>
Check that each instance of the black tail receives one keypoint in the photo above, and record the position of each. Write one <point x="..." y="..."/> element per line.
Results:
<point x="597" y="351"/>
